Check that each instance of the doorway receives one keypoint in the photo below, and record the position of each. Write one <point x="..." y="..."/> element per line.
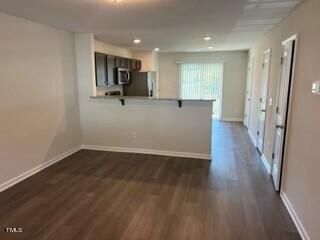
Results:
<point x="283" y="100"/>
<point x="263" y="99"/>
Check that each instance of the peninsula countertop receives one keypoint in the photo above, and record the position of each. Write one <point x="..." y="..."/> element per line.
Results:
<point x="149" y="98"/>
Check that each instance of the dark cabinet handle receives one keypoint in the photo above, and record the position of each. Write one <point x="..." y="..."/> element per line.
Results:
<point x="279" y="126"/>
<point x="263" y="110"/>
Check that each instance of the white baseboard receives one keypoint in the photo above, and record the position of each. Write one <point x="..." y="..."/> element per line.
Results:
<point x="266" y="163"/>
<point x="37" y="169"/>
<point x="62" y="156"/>
<point x="301" y="229"/>
<point x="252" y="138"/>
<point x="232" y="119"/>
<point x="148" y="151"/>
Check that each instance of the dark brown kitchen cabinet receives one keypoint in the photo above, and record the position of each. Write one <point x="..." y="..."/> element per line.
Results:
<point x="101" y="69"/>
<point x="135" y="65"/>
<point x="122" y="62"/>
<point x="111" y="68"/>
<point x="138" y="65"/>
<point x="118" y="62"/>
<point x="106" y="67"/>
<point x="130" y="63"/>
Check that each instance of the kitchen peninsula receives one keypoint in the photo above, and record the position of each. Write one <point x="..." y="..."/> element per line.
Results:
<point x="122" y="99"/>
<point x="143" y="124"/>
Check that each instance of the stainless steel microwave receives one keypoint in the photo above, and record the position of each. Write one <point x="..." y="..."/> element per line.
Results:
<point x="123" y="75"/>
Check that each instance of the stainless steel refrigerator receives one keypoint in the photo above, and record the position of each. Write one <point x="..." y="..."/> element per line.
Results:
<point x="141" y="84"/>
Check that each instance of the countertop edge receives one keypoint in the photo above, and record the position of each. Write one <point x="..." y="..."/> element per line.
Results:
<point x="151" y="98"/>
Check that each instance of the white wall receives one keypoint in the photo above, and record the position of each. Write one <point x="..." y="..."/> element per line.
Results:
<point x="234" y="77"/>
<point x="149" y="60"/>
<point x="106" y="48"/>
<point x="38" y="95"/>
<point x="140" y="124"/>
<point x="149" y="126"/>
<point x="301" y="166"/>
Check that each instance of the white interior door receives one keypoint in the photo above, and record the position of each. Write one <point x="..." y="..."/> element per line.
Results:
<point x="247" y="110"/>
<point x="282" y="110"/>
<point x="263" y="99"/>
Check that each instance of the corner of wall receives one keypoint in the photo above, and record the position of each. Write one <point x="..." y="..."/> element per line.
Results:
<point x="293" y="214"/>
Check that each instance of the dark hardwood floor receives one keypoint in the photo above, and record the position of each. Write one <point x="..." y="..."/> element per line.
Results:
<point x="102" y="195"/>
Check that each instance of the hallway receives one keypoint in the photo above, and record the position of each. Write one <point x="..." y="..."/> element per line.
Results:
<point x="104" y="195"/>
<point x="246" y="187"/>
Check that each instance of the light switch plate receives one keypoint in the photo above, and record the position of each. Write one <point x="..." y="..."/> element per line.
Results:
<point x="316" y="87"/>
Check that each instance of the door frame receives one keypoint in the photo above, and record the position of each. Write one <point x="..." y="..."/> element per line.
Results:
<point x="289" y="107"/>
<point x="269" y="50"/>
<point x="248" y="94"/>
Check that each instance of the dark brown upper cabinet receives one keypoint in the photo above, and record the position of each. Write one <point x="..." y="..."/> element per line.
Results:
<point x="111" y="68"/>
<point x="101" y="69"/>
<point x="135" y="65"/>
<point x="122" y="62"/>
<point x="130" y="64"/>
<point x="106" y="67"/>
<point x="138" y="65"/>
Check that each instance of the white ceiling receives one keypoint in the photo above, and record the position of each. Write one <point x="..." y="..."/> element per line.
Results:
<point x="172" y="25"/>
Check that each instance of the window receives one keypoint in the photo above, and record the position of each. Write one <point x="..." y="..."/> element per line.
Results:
<point x="202" y="81"/>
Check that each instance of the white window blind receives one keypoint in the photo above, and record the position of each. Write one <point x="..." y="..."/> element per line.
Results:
<point x="202" y="81"/>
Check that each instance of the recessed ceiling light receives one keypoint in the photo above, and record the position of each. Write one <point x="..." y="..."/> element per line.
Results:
<point x="207" y="38"/>
<point x="210" y="47"/>
<point x="136" y="41"/>
<point x="157" y="49"/>
<point x="116" y="1"/>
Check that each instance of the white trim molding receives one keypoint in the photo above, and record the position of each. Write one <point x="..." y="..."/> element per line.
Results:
<point x="148" y="151"/>
<point x="266" y="163"/>
<point x="62" y="156"/>
<point x="232" y="119"/>
<point x="37" y="169"/>
<point x="252" y="138"/>
<point x="301" y="229"/>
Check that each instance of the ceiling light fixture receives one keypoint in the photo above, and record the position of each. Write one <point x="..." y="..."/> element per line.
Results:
<point x="116" y="1"/>
<point x="136" y="41"/>
<point x="157" y="49"/>
<point x="207" y="38"/>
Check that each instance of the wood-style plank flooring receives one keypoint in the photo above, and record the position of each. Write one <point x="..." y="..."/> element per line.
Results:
<point x="96" y="195"/>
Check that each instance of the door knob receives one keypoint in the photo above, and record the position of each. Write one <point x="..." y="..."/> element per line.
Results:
<point x="263" y="110"/>
<point x="280" y="126"/>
